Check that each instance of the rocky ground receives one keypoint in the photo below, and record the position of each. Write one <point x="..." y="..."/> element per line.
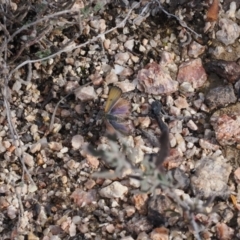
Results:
<point x="62" y="176"/>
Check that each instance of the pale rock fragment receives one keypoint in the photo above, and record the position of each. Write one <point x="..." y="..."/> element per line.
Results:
<point x="16" y="86"/>
<point x="82" y="198"/>
<point x="143" y="236"/>
<point x="181" y="102"/>
<point x="111" y="77"/>
<point x="77" y="141"/>
<point x="72" y="230"/>
<point x="186" y="87"/>
<point x="195" y="49"/>
<point x="130" y="210"/>
<point x="30" y="118"/>
<point x="126" y="86"/>
<point x="65" y="113"/>
<point x="232" y="10"/>
<point x="114" y="190"/>
<point x="2" y="148"/>
<point x="206" y="144"/>
<point x="32" y="188"/>
<point x="110" y="228"/>
<point x="76" y="219"/>
<point x="92" y="161"/>
<point x="174" y="111"/>
<point x="86" y="93"/>
<point x="35" y="147"/>
<point x="55" y="146"/>
<point x="140" y="202"/>
<point x="12" y="212"/>
<point x="118" y="69"/>
<point x="160" y="233"/>
<point x="181" y="142"/>
<point x="237" y="175"/>
<point x="129" y="44"/>
<point x="64" y="179"/>
<point x="218" y="51"/>
<point x="229" y="31"/>
<point x="96" y="78"/>
<point x="28" y="159"/>
<point x="134" y="182"/>
<point x="126" y="72"/>
<point x="127" y="238"/>
<point x="172" y="140"/>
<point x="207" y="185"/>
<point x="227" y="128"/>
<point x="98" y="24"/>
<point x="32" y="236"/>
<point x="224" y="232"/>
<point x="197" y="103"/>
<point x="90" y="184"/>
<point x="122" y="58"/>
<point x="70" y="60"/>
<point x="137" y="155"/>
<point x="107" y="43"/>
<point x="192" y="125"/>
<point x="144" y="122"/>
<point x="114" y="44"/>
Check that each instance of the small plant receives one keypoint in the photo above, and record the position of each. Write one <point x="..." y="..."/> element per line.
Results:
<point x="88" y="10"/>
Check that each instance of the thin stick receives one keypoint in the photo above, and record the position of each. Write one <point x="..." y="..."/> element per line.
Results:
<point x="56" y="107"/>
<point x="32" y="24"/>
<point x="181" y="22"/>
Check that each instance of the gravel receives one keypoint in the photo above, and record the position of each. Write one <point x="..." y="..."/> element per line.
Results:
<point x="62" y="177"/>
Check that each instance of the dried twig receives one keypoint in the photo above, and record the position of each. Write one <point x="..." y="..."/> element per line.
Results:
<point x="181" y="22"/>
<point x="15" y="137"/>
<point x="45" y="18"/>
<point x="33" y="41"/>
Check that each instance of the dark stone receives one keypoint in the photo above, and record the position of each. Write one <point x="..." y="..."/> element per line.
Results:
<point x="220" y="96"/>
<point x="229" y="70"/>
<point x="161" y="211"/>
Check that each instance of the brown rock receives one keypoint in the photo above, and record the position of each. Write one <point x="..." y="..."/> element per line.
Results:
<point x="92" y="161"/>
<point x="155" y="79"/>
<point x="159" y="234"/>
<point x="213" y="10"/>
<point x="81" y="198"/>
<point x="192" y="72"/>
<point x="140" y="201"/>
<point x="174" y="159"/>
<point x="90" y="184"/>
<point x="227" y="129"/>
<point x="224" y="232"/>
<point x="181" y="102"/>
